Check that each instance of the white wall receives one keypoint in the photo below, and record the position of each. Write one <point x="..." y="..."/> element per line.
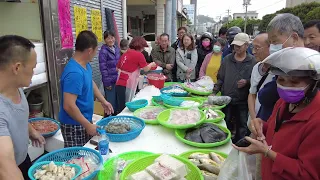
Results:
<point x="160" y="17"/>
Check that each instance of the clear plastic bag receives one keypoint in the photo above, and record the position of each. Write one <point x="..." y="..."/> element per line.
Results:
<point x="235" y="167"/>
<point x="88" y="166"/>
<point x="119" y="165"/>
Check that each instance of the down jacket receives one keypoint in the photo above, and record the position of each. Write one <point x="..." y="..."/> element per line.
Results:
<point x="108" y="59"/>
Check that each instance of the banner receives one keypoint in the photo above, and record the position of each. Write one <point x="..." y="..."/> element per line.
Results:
<point x="80" y="19"/>
<point x="189" y="9"/>
<point x="96" y="22"/>
<point x="65" y="24"/>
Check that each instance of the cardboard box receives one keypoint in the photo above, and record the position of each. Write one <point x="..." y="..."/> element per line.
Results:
<point x="98" y="109"/>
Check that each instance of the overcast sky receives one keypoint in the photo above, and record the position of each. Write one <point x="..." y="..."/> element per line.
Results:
<point x="214" y="8"/>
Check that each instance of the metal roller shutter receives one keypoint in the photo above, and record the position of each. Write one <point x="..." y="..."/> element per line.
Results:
<point x="89" y="4"/>
<point x="116" y="6"/>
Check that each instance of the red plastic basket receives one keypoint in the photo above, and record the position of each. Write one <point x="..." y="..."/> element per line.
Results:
<point x="157" y="80"/>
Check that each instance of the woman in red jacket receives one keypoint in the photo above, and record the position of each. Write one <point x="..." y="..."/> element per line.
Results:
<point x="289" y="140"/>
<point x="129" y="67"/>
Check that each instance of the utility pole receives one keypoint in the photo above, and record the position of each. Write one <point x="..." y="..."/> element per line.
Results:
<point x="174" y="21"/>
<point x="168" y="21"/>
<point x="246" y="3"/>
<point x="228" y="11"/>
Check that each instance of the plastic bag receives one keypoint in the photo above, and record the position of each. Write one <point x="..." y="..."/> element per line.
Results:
<point x="120" y="164"/>
<point x="88" y="166"/>
<point x="235" y="167"/>
<point x="219" y="100"/>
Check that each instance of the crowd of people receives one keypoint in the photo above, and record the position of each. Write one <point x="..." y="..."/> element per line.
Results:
<point x="273" y="83"/>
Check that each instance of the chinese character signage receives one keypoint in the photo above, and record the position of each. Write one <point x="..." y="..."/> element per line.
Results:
<point x="80" y="19"/>
<point x="65" y="24"/>
<point x="96" y="23"/>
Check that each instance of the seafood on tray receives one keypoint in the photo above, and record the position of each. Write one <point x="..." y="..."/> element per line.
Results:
<point x="209" y="164"/>
<point x="52" y="171"/>
<point x="204" y="84"/>
<point x="206" y="133"/>
<point x="44" y="126"/>
<point x="117" y="128"/>
<point x="184" y="116"/>
<point x="219" y="100"/>
<point x="210" y="114"/>
<point x="164" y="167"/>
<point x="150" y="113"/>
<point x="177" y="89"/>
<point x="189" y="104"/>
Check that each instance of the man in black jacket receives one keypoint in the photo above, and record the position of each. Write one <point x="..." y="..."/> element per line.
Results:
<point x="234" y="81"/>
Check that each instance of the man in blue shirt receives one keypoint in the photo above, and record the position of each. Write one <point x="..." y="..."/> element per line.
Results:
<point x="78" y="93"/>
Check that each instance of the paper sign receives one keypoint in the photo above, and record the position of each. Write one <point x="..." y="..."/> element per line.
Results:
<point x="65" y="24"/>
<point x="80" y="19"/>
<point x="96" y="23"/>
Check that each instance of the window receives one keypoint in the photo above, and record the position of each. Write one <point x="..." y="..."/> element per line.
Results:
<point x="150" y="37"/>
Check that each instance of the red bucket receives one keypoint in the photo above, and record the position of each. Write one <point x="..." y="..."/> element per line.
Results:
<point x="157" y="80"/>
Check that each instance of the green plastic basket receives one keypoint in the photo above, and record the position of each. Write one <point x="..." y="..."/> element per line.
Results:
<point x="142" y="163"/>
<point x="157" y="103"/>
<point x="205" y="151"/>
<point x="109" y="167"/>
<point x="167" y="84"/>
<point x="180" y="133"/>
<point x="218" y="119"/>
<point x="186" y="99"/>
<point x="215" y="107"/>
<point x="163" y="117"/>
<point x="195" y="91"/>
<point x="148" y="121"/>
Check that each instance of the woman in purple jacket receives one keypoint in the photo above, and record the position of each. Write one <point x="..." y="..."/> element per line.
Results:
<point x="108" y="59"/>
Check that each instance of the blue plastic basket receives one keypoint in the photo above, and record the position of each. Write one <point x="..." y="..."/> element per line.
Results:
<point x="32" y="170"/>
<point x="136" y="126"/>
<point x="157" y="98"/>
<point x="174" y="94"/>
<point x="135" y="105"/>
<point x="67" y="154"/>
<point x="46" y="135"/>
<point x="171" y="100"/>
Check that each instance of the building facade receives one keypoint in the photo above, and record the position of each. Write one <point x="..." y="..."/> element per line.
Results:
<point x="250" y="15"/>
<point x="292" y="3"/>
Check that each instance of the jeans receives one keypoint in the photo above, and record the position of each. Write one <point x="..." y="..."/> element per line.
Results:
<point x="110" y="95"/>
<point x="240" y="113"/>
<point x="121" y="97"/>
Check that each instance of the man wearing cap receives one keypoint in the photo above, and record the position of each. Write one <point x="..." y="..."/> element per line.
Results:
<point x="234" y="81"/>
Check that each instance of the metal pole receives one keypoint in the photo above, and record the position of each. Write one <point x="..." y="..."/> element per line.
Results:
<point x="245" y="19"/>
<point x="124" y="19"/>
<point x="168" y="17"/>
<point x="174" y="21"/>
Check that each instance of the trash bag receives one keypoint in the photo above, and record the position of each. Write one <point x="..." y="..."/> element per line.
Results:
<point x="235" y="167"/>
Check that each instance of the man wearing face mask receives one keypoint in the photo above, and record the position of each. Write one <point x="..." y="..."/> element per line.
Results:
<point x="204" y="48"/>
<point x="284" y="30"/>
<point x="234" y="81"/>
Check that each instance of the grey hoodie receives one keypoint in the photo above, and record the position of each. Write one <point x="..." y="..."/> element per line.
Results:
<point x="230" y="72"/>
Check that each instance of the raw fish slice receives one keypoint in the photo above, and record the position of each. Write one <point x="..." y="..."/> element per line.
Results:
<point x="209" y="168"/>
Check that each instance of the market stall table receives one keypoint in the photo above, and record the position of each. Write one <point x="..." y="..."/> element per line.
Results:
<point x="154" y="138"/>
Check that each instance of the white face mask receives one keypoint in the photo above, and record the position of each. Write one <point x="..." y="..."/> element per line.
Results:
<point x="216" y="48"/>
<point x="277" y="47"/>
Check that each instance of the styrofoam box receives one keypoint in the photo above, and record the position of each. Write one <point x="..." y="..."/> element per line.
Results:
<point x="35" y="152"/>
<point x="39" y="48"/>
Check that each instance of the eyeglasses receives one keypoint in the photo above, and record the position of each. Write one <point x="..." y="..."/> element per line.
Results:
<point x="257" y="48"/>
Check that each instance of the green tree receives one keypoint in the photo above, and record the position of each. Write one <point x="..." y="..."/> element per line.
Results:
<point x="305" y="11"/>
<point x="240" y="23"/>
